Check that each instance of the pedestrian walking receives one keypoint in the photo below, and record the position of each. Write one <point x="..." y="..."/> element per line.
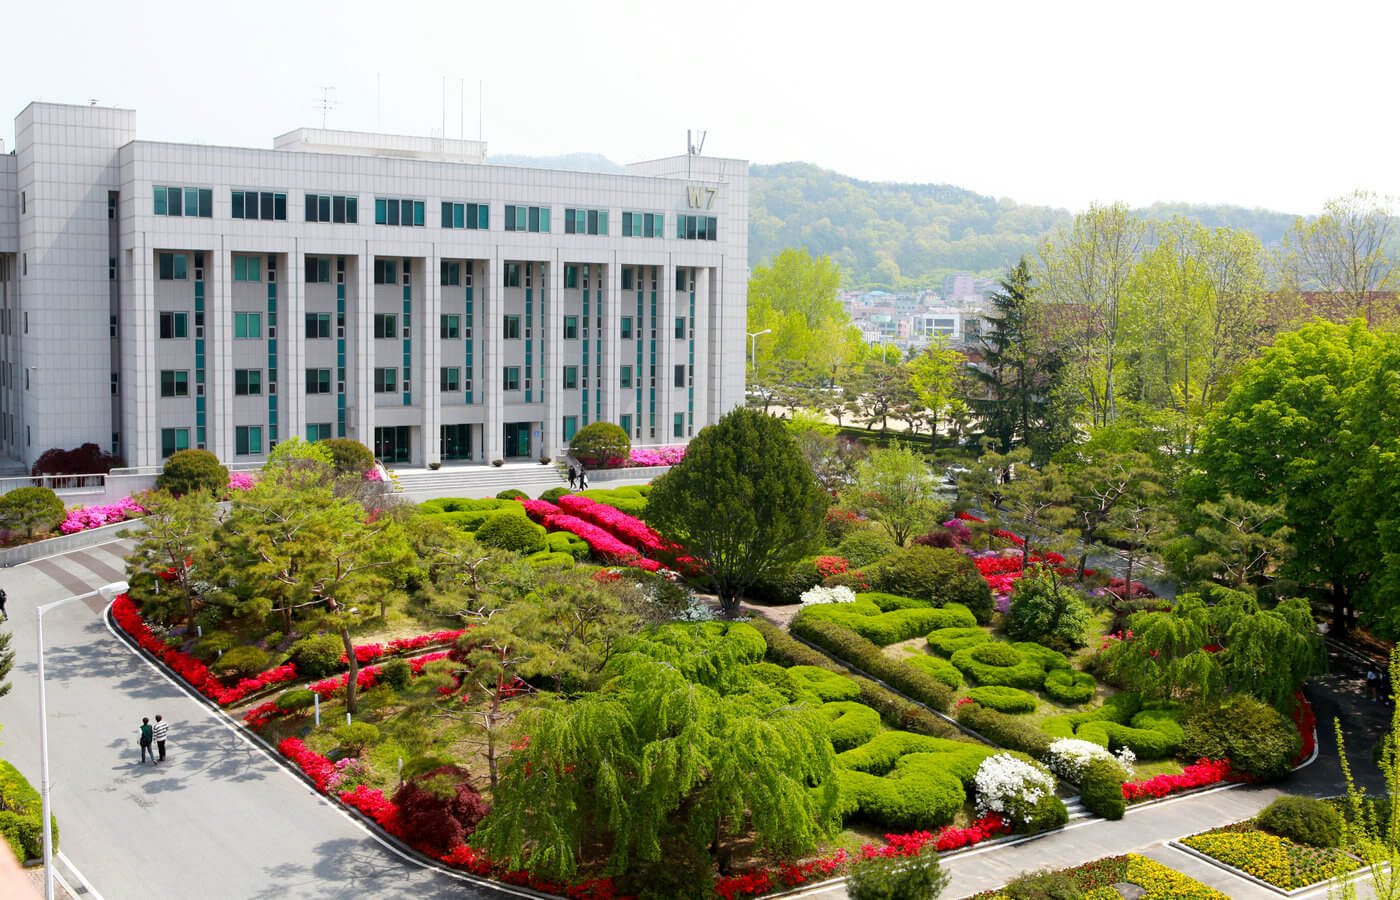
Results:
<point x="161" y="729"/>
<point x="1371" y="682"/>
<point x="3" y="598"/>
<point x="582" y="479"/>
<point x="147" y="735"/>
<point x="573" y="477"/>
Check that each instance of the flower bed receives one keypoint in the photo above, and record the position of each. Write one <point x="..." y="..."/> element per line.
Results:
<point x="656" y="456"/>
<point x="1201" y="773"/>
<point x="81" y="518"/>
<point x="612" y="536"/>
<point x="1276" y="860"/>
<point x="1096" y="880"/>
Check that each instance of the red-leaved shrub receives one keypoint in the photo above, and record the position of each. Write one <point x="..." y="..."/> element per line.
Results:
<point x="439" y="809"/>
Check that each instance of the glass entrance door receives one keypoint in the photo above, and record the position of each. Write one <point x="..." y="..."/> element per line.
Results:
<point x="392" y="444"/>
<point x="456" y="442"/>
<point x="517" y="441"/>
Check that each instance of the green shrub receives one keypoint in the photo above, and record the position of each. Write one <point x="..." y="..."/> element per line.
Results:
<point x="272" y="639"/>
<point x="1003" y="699"/>
<point x="566" y="542"/>
<point x="21" y="815"/>
<point x="785" y="585"/>
<point x="1011" y="732"/>
<point x="187" y="471"/>
<point x="509" y="530"/>
<point x="948" y="641"/>
<point x="600" y="445"/>
<point x="1042" y="885"/>
<point x="919" y="795"/>
<point x="317" y="655"/>
<point x="778" y="678"/>
<point x="940" y="669"/>
<point x="937" y="575"/>
<point x="866" y="618"/>
<point x="212" y="644"/>
<point x="553" y="494"/>
<point x="355" y="737"/>
<point x="1303" y="820"/>
<point x="864" y="546"/>
<point x="295" y="700"/>
<point x="512" y="494"/>
<point x="1046" y="610"/>
<point x="852" y="724"/>
<point x="1122" y="721"/>
<point x="1050" y="659"/>
<point x="824" y="685"/>
<point x="1101" y="789"/>
<point x="241" y="662"/>
<point x="997" y="663"/>
<point x="1257" y="739"/>
<point x="396" y="673"/>
<point x="421" y="765"/>
<point x="861" y="653"/>
<point x="348" y="456"/>
<point x="919" y="877"/>
<point x="33" y="510"/>
<point x="547" y="560"/>
<point x="1068" y="686"/>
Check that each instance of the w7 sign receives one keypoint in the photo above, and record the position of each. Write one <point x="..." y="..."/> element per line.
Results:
<point x="700" y="197"/>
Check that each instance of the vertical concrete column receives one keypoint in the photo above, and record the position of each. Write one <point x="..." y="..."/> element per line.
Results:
<point x="218" y="353"/>
<point x="552" y="349"/>
<point x="665" y="352"/>
<point x="701" y="326"/>
<point x="359" y="319"/>
<point x="612" y="319"/>
<point x="431" y="354"/>
<point x="489" y="383"/>
<point x="140" y="430"/>
<point x="291" y="331"/>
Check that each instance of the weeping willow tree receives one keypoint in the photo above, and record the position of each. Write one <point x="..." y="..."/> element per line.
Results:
<point x="1204" y="647"/>
<point x="656" y="769"/>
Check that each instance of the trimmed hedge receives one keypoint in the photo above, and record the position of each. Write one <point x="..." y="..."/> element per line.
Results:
<point x="939" y="668"/>
<point x="566" y="542"/>
<point x="852" y="724"/>
<point x="21" y="818"/>
<point x="827" y="686"/>
<point x="937" y="575"/>
<point x="511" y="531"/>
<point x="1050" y="659"/>
<point x="295" y="700"/>
<point x="1303" y="820"/>
<point x="1000" y="664"/>
<point x="1004" y="699"/>
<point x="948" y="641"/>
<point x="1068" y="686"/>
<point x="546" y="559"/>
<point x="907" y="781"/>
<point x="1122" y="721"/>
<point x="850" y="647"/>
<point x="1011" y="732"/>
<point x="1102" y="789"/>
<point x="892" y="621"/>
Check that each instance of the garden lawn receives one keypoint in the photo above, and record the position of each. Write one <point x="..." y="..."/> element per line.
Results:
<point x="1274" y="859"/>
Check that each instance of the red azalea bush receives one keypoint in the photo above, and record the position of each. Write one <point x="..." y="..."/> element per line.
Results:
<point x="373" y="803"/>
<point x="828" y="566"/>
<point x="1201" y="773"/>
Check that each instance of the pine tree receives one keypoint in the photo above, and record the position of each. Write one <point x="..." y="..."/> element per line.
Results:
<point x="1016" y="378"/>
<point x="7" y="662"/>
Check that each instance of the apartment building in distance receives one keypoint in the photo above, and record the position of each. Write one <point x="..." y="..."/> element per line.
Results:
<point x="396" y="290"/>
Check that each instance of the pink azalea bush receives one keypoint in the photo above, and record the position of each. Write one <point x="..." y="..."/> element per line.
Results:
<point x="240" y="481"/>
<point x="656" y="456"/>
<point x="84" y="517"/>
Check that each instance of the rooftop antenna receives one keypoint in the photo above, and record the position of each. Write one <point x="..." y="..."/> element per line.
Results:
<point x="692" y="148"/>
<point x="92" y="101"/>
<point x="326" y="103"/>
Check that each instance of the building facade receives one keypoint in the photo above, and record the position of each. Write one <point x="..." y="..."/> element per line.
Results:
<point x="394" y="290"/>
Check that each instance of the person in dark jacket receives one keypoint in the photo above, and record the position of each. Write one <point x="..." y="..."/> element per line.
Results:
<point x="147" y="735"/>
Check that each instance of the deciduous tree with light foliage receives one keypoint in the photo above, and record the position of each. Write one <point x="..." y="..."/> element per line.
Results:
<point x="895" y="488"/>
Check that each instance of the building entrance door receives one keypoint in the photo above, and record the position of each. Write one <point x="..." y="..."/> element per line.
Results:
<point x="517" y="439"/>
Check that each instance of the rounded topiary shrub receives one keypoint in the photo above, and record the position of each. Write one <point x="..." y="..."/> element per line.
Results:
<point x="1068" y="686"/>
<point x="355" y="737"/>
<point x="1043" y="885"/>
<point x="1001" y="664"/>
<point x="348" y="457"/>
<point x="1304" y="820"/>
<point x="852" y="724"/>
<point x="318" y="655"/>
<point x="940" y="669"/>
<point x="212" y="644"/>
<point x="826" y="685"/>
<point x="510" y="530"/>
<point x="32" y="510"/>
<point x="439" y="809"/>
<point x="936" y="575"/>
<point x="396" y="673"/>
<point x="295" y="700"/>
<point x="187" y="471"/>
<point x="512" y="494"/>
<point x="1047" y="610"/>
<point x="1003" y="699"/>
<point x="1101" y="789"/>
<point x="240" y="662"/>
<point x="863" y="546"/>
<point x="948" y="641"/>
<point x="993" y="654"/>
<point x="601" y="445"/>
<point x="553" y="494"/>
<point x="1257" y="739"/>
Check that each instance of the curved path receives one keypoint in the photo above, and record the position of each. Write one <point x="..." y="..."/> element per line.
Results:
<point x="220" y="818"/>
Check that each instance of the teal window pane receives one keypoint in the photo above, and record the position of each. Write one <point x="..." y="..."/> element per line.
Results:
<point x="680" y="226"/>
<point x="191" y="201"/>
<point x="179" y="266"/>
<point x="522" y="218"/>
<point x="482" y="216"/>
<point x="352" y="210"/>
<point x="158" y="194"/>
<point x="380" y="211"/>
<point x="602" y="221"/>
<point x="418" y="212"/>
<point x="206" y="203"/>
<point x="544" y="218"/>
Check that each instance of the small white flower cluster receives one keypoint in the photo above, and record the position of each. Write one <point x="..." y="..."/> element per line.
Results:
<point x="838" y="594"/>
<point x="1011" y="787"/>
<point x="1069" y="757"/>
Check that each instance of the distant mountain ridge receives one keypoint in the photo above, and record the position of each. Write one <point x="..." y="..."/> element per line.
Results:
<point x="905" y="235"/>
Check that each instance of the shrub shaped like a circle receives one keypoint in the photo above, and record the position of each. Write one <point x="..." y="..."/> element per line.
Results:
<point x="348" y="456"/>
<point x="826" y="685"/>
<point x="1002" y="664"/>
<point x="852" y="724"/>
<point x="1303" y="820"/>
<point x="512" y="494"/>
<point x="240" y="662"/>
<point x="948" y="641"/>
<point x="510" y="530"/>
<point x="1003" y="699"/>
<point x="295" y="700"/>
<point x="600" y="445"/>
<point x="1257" y="739"/>
<point x="318" y="655"/>
<point x="32" y="510"/>
<point x="553" y="494"/>
<point x="187" y="471"/>
<point x="355" y="736"/>
<point x="1068" y="686"/>
<point x="396" y="673"/>
<point x="940" y="669"/>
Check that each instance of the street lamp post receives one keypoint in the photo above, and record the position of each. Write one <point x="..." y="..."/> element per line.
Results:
<point x="753" y="344"/>
<point x="113" y="589"/>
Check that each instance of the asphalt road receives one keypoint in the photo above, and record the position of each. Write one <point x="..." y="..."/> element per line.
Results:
<point x="218" y="819"/>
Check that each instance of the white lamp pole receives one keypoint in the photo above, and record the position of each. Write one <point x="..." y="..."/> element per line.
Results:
<point x="113" y="589"/>
<point x="753" y="344"/>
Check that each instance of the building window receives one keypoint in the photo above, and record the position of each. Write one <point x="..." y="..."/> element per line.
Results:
<point x="527" y="218"/>
<point x="173" y="440"/>
<point x="386" y="326"/>
<point x="318" y="381"/>
<point x="512" y="327"/>
<point x="570" y="328"/>
<point x="450" y="328"/>
<point x="394" y="211"/>
<point x="697" y="228"/>
<point x="450" y="379"/>
<point x="174" y="325"/>
<point x="247" y="325"/>
<point x="332" y="208"/>
<point x="475" y="216"/>
<point x="386" y="381"/>
<point x="247" y="439"/>
<point x="571" y="277"/>
<point x="172" y="266"/>
<point x="247" y="268"/>
<point x="680" y="328"/>
<point x="177" y="201"/>
<point x="111" y="268"/>
<point x="585" y="221"/>
<point x="511" y="379"/>
<point x="318" y="431"/>
<point x="680" y="376"/>
<point x="570" y="377"/>
<point x="174" y="383"/>
<point x="318" y="325"/>
<point x="386" y="271"/>
<point x="116" y="383"/>
<point x="247" y="382"/>
<point x="625" y="378"/>
<point x="512" y="275"/>
<point x="627" y="328"/>
<point x="570" y="427"/>
<point x="640" y="224"/>
<point x="678" y="425"/>
<point x="625" y="423"/>
<point x="627" y="279"/>
<point x="451" y="273"/>
<point x="266" y="205"/>
<point x="318" y="270"/>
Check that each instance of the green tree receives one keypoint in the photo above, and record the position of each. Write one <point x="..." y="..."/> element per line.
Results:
<point x="879" y="390"/>
<point x="1238" y="541"/>
<point x="30" y="509"/>
<point x="896" y="488"/>
<point x="191" y="470"/>
<point x="177" y="529"/>
<point x="600" y="444"/>
<point x="796" y="297"/>
<point x="742" y="501"/>
<point x="934" y="377"/>
<point x="1101" y="477"/>
<point x="7" y="662"/>
<point x="1348" y="253"/>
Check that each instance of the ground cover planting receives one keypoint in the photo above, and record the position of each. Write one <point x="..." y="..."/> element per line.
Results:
<point x="1096" y="880"/>
<point x="1281" y="862"/>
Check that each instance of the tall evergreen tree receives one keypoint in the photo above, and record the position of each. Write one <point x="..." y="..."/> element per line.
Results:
<point x="1015" y="376"/>
<point x="7" y="662"/>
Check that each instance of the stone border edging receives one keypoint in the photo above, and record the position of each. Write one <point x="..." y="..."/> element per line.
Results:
<point x="1245" y="876"/>
<point x="65" y="543"/>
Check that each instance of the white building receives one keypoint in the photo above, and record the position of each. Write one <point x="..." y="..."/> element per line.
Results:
<point x="394" y="290"/>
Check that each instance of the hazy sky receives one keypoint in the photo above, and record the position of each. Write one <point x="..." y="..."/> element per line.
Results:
<point x="1065" y="103"/>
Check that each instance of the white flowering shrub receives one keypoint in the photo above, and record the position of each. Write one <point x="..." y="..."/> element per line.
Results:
<point x="819" y="594"/>
<point x="1069" y="757"/>
<point x="1012" y="787"/>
